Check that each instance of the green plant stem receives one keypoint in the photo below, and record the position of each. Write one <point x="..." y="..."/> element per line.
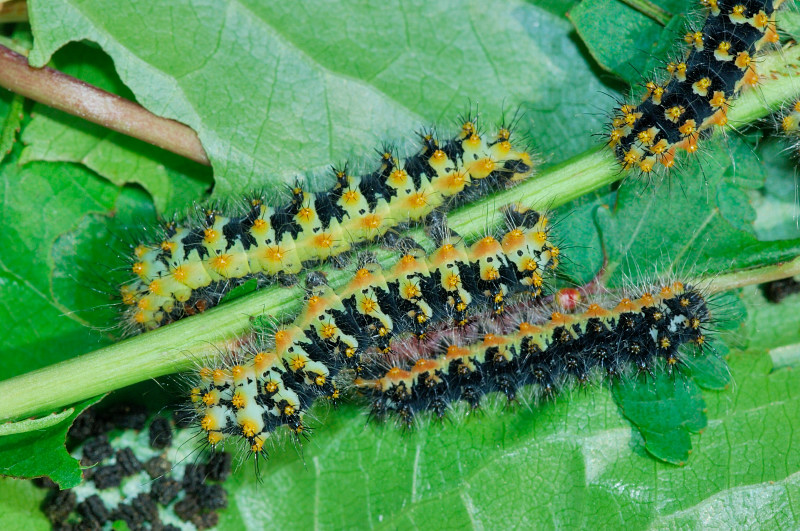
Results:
<point x="747" y="277"/>
<point x="651" y="10"/>
<point x="186" y="343"/>
<point x="781" y="82"/>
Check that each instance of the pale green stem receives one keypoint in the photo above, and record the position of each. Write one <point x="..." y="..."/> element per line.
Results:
<point x="186" y="343"/>
<point x="651" y="10"/>
<point x="748" y="277"/>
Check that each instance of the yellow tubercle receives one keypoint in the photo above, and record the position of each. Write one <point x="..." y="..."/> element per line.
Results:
<point x="208" y="423"/>
<point x="249" y="428"/>
<point x="258" y="445"/>
<point x="210" y="236"/>
<point x="238" y="401"/>
<point x="297" y="363"/>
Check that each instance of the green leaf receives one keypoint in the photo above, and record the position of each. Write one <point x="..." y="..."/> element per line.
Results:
<point x="56" y="136"/>
<point x="19" y="506"/>
<point x="699" y="222"/>
<point x="41" y="452"/>
<point x="277" y="90"/>
<point x="771" y="329"/>
<point x="777" y="207"/>
<point x="631" y="44"/>
<point x="665" y="410"/>
<point x="711" y="372"/>
<point x="514" y="467"/>
<point x="579" y="240"/>
<point x="644" y="238"/>
<point x="88" y="261"/>
<point x="11" y="117"/>
<point x="22" y="426"/>
<point x="42" y="201"/>
<point x="300" y="93"/>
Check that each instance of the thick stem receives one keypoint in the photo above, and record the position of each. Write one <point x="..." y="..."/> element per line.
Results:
<point x="184" y="344"/>
<point x="72" y="95"/>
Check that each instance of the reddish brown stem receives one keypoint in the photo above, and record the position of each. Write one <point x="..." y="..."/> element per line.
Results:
<point x="13" y="11"/>
<point x="71" y="95"/>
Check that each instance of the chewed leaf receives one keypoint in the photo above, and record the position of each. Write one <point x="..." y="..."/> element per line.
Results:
<point x="41" y="452"/>
<point x="666" y="411"/>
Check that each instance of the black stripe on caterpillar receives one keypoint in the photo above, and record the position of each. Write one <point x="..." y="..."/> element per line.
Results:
<point x="680" y="109"/>
<point x="193" y="265"/>
<point x="264" y="385"/>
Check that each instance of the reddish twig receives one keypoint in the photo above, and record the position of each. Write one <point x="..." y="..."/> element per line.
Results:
<point x="71" y="95"/>
<point x="13" y="11"/>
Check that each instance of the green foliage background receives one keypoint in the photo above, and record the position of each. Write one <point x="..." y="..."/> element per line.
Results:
<point x="286" y="89"/>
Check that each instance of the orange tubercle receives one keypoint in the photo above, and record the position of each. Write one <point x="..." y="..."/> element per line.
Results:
<point x="424" y="365"/>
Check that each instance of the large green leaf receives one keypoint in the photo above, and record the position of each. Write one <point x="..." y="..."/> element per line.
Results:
<point x="571" y="464"/>
<point x="777" y="207"/>
<point x="277" y="89"/>
<point x="574" y="463"/>
<point x="633" y="44"/>
<point x="666" y="411"/>
<point x="42" y="201"/>
<point x="699" y="221"/>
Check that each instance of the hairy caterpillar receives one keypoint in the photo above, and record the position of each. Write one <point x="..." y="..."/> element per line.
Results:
<point x="194" y="264"/>
<point x="681" y="108"/>
<point x="262" y="387"/>
<point x="637" y="336"/>
<point x="138" y="476"/>
<point x="789" y="120"/>
<point x="633" y="336"/>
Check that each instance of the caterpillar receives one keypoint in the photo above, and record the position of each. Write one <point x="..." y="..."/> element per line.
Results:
<point x="138" y="475"/>
<point x="635" y="336"/>
<point x="790" y="118"/>
<point x="680" y="108"/>
<point x="789" y="123"/>
<point x="193" y="264"/>
<point x="262" y="386"/>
